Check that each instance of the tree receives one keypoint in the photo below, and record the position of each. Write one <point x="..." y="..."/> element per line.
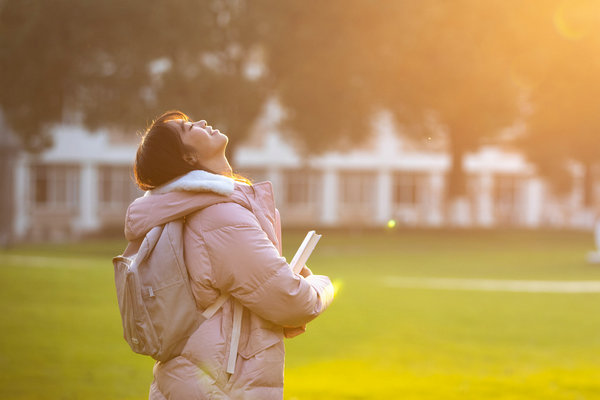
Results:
<point x="565" y="125"/>
<point x="331" y="64"/>
<point x="563" y="70"/>
<point x="455" y="66"/>
<point x="93" y="59"/>
<point x="313" y="56"/>
<point x="347" y="59"/>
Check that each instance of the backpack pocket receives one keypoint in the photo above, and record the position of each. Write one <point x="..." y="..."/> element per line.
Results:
<point x="138" y="330"/>
<point x="175" y="316"/>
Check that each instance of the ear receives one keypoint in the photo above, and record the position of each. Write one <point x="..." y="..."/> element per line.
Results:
<point x="191" y="159"/>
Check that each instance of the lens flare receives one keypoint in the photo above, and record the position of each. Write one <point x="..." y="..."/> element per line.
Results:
<point x="575" y="19"/>
<point x="391" y="224"/>
<point x="337" y="285"/>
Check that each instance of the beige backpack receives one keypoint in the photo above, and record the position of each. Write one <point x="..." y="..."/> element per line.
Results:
<point x="158" y="309"/>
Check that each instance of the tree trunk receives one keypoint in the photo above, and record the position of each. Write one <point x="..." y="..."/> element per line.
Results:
<point x="7" y="160"/>
<point x="588" y="185"/>
<point x="458" y="210"/>
<point x="456" y="183"/>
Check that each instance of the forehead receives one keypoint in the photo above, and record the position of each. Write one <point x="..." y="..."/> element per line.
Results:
<point x="176" y="123"/>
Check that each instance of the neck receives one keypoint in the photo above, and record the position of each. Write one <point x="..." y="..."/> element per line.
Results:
<point x="219" y="166"/>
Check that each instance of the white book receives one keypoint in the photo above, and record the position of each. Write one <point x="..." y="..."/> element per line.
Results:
<point x="304" y="251"/>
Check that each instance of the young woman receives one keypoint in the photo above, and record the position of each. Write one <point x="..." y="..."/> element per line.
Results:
<point x="232" y="244"/>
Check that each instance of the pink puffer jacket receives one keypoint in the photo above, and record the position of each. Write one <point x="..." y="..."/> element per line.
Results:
<point x="232" y="244"/>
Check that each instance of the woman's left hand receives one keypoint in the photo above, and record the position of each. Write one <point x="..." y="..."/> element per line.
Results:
<point x="305" y="272"/>
<point x="290" y="332"/>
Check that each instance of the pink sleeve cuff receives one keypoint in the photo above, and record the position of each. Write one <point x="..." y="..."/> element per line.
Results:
<point x="324" y="288"/>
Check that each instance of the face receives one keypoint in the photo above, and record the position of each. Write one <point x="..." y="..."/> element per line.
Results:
<point x="208" y="143"/>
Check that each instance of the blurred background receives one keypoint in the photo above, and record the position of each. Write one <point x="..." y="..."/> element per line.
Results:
<point x="449" y="151"/>
<point x="423" y="114"/>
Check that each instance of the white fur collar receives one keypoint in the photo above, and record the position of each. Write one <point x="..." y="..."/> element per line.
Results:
<point x="197" y="181"/>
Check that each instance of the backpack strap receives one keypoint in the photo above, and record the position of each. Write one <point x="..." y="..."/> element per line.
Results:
<point x="238" y="310"/>
<point x="214" y="307"/>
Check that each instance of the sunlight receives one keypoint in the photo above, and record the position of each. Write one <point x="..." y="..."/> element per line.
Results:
<point x="574" y="19"/>
<point x="337" y="285"/>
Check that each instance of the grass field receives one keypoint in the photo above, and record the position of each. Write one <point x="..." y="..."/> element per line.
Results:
<point x="60" y="333"/>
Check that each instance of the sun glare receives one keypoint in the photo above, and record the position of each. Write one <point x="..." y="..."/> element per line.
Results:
<point x="575" y="19"/>
<point x="337" y="285"/>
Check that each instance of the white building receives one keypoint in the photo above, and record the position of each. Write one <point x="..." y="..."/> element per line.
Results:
<point x="394" y="180"/>
<point x="84" y="183"/>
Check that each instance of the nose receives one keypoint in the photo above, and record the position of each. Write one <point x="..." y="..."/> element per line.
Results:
<point x="202" y="123"/>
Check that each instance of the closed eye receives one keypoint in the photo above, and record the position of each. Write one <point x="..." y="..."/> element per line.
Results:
<point x="182" y="125"/>
<point x="185" y="126"/>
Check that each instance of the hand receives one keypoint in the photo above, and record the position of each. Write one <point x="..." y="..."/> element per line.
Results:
<point x="290" y="332"/>
<point x="305" y="272"/>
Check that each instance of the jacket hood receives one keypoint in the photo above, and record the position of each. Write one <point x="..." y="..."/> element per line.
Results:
<point x="187" y="194"/>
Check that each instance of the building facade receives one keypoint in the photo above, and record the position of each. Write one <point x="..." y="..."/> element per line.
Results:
<point x="84" y="184"/>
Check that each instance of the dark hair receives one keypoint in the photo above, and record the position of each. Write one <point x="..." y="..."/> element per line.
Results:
<point x="161" y="154"/>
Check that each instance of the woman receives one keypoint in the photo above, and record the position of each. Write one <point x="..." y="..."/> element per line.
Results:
<point x="232" y="244"/>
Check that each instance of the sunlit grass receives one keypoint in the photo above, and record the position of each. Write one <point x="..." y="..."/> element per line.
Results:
<point x="61" y="335"/>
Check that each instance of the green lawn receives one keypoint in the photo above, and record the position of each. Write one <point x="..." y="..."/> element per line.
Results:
<point x="60" y="333"/>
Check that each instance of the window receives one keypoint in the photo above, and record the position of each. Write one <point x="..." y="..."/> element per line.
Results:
<point x="301" y="187"/>
<point x="505" y="191"/>
<point x="357" y="188"/>
<point x="506" y="198"/>
<point x="475" y="188"/>
<point x="405" y="188"/>
<point x="55" y="185"/>
<point x="116" y="186"/>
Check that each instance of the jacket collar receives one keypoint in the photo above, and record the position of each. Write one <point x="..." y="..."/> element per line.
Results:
<point x="197" y="181"/>
<point x="190" y="193"/>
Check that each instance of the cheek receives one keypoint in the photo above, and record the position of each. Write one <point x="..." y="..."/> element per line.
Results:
<point x="199" y="142"/>
<point x="190" y="141"/>
<point x="212" y="147"/>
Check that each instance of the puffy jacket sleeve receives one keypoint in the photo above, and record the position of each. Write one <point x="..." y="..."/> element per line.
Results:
<point x="246" y="264"/>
